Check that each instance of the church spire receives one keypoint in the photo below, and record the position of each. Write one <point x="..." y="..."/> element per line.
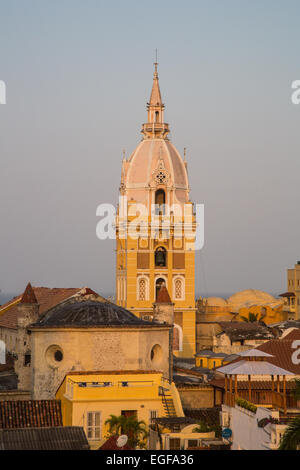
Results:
<point x="155" y="99"/>
<point x="155" y="127"/>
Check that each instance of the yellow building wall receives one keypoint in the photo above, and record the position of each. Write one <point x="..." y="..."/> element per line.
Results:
<point x="142" y="396"/>
<point x="209" y="363"/>
<point x="273" y="315"/>
<point x="127" y="280"/>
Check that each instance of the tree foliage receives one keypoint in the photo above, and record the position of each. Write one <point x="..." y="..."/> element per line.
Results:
<point x="130" y="426"/>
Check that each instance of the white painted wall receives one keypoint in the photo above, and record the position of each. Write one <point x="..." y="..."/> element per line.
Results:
<point x="246" y="435"/>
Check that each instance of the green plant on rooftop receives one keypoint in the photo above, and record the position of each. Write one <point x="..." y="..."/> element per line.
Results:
<point x="131" y="427"/>
<point x="246" y="405"/>
<point x="203" y="427"/>
<point x="252" y="318"/>
<point x="291" y="437"/>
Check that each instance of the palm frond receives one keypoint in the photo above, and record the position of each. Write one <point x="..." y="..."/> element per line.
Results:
<point x="291" y="437"/>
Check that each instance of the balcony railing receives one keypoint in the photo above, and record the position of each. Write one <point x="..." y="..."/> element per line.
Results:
<point x="112" y="389"/>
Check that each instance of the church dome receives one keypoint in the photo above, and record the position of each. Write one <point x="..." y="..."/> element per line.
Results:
<point x="252" y="297"/>
<point x="89" y="314"/>
<point x="152" y="155"/>
<point x="155" y="164"/>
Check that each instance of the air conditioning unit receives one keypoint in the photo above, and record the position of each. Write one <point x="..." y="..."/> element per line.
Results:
<point x="225" y="419"/>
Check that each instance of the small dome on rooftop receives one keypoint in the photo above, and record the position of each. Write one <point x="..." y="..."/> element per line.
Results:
<point x="216" y="302"/>
<point x="89" y="314"/>
<point x="251" y="297"/>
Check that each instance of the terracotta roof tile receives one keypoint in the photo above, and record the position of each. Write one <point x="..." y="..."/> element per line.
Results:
<point x="30" y="414"/>
<point x="163" y="296"/>
<point x="256" y="385"/>
<point x="282" y="351"/>
<point x="243" y="330"/>
<point x="111" y="444"/>
<point x="46" y="298"/>
<point x="28" y="296"/>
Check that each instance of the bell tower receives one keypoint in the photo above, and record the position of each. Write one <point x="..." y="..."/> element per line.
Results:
<point x="154" y="249"/>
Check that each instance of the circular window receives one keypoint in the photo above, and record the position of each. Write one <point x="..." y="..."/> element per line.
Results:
<point x="58" y="356"/>
<point x="156" y="355"/>
<point x="54" y="355"/>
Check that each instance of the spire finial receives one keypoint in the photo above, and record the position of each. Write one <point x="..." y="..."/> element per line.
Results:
<point x="156" y="64"/>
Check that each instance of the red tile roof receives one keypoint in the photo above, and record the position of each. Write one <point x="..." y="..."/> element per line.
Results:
<point x="256" y="385"/>
<point x="30" y="414"/>
<point x="163" y="296"/>
<point x="111" y="444"/>
<point x="282" y="351"/>
<point x="28" y="296"/>
<point x="46" y="298"/>
<point x="288" y="294"/>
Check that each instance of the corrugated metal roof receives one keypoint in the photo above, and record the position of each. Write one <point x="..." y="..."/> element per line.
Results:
<point x="60" y="438"/>
<point x="254" y="353"/>
<point x="253" y="368"/>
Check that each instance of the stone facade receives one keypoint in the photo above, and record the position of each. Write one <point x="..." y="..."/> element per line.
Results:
<point x="95" y="350"/>
<point x="28" y="314"/>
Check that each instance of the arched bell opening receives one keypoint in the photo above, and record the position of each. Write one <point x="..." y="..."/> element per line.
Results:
<point x="161" y="257"/>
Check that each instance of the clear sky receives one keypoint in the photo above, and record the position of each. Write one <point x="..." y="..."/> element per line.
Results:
<point x="78" y="75"/>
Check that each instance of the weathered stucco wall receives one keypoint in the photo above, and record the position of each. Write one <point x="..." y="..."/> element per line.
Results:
<point x="95" y="350"/>
<point x="197" y="398"/>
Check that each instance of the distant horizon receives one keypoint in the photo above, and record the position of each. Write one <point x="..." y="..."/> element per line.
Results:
<point x="6" y="297"/>
<point x="78" y="76"/>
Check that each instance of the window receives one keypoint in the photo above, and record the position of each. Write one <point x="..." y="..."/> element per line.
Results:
<point x="174" y="444"/>
<point x="129" y="413"/>
<point x="192" y="443"/>
<point x="93" y="425"/>
<point x="160" y="200"/>
<point x="153" y="415"/>
<point x="179" y="288"/>
<point x="54" y="356"/>
<point x="27" y="359"/>
<point x="142" y="289"/>
<point x="156" y="355"/>
<point x="161" y="257"/>
<point x="58" y="356"/>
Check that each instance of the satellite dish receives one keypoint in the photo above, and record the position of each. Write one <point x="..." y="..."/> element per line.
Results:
<point x="122" y="441"/>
